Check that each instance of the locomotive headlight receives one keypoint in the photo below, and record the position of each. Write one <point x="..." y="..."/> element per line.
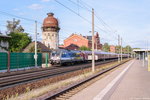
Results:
<point x="58" y="58"/>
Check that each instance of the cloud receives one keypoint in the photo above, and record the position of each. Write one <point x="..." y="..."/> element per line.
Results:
<point x="35" y="6"/>
<point x="21" y="13"/>
<point x="16" y="9"/>
<point x="45" y="0"/>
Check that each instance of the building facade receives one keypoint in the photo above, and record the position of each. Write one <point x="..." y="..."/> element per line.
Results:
<point x="40" y="47"/>
<point x="80" y="40"/>
<point x="4" y="44"/>
<point x="50" y="32"/>
<point x="112" y="48"/>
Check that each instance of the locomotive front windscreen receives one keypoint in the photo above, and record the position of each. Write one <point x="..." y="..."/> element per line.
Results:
<point x="55" y="53"/>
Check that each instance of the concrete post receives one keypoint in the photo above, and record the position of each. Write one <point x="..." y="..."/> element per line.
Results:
<point x="121" y="49"/>
<point x="143" y="59"/>
<point x="46" y="54"/>
<point x="35" y="55"/>
<point x="8" y="64"/>
<point x="148" y="62"/>
<point x="118" y="49"/>
<point x="93" y="55"/>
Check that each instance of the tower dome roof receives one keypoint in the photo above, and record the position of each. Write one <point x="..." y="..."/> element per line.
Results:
<point x="50" y="21"/>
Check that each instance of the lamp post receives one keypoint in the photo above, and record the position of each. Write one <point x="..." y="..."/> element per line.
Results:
<point x="35" y="55"/>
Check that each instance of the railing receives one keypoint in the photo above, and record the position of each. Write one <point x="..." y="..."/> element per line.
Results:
<point x="18" y="60"/>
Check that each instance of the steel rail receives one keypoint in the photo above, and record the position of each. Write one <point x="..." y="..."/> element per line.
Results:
<point x="28" y="77"/>
<point x="53" y="95"/>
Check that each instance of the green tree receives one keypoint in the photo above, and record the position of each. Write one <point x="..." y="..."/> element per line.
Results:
<point x="13" y="26"/>
<point x="118" y="48"/>
<point x="84" y="48"/>
<point x="124" y="49"/>
<point x="106" y="47"/>
<point x="18" y="41"/>
<point x="127" y="49"/>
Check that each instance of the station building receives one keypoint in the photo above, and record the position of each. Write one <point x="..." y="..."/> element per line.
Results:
<point x="141" y="53"/>
<point x="112" y="48"/>
<point x="75" y="41"/>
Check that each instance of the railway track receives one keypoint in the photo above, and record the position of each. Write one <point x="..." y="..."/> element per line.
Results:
<point x="24" y="71"/>
<point x="69" y="91"/>
<point x="22" y="78"/>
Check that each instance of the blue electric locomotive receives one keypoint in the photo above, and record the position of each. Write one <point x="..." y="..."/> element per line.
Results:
<point x="62" y="56"/>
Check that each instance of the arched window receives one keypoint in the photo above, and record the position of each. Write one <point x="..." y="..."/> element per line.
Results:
<point x="48" y="45"/>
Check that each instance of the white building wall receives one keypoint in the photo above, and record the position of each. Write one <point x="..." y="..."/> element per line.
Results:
<point x="50" y="39"/>
<point x="4" y="44"/>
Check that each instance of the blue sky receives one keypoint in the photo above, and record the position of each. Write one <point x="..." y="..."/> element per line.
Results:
<point x="128" y="18"/>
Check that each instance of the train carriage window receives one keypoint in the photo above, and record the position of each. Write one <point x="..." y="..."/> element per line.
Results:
<point x="64" y="54"/>
<point x="73" y="55"/>
<point x="77" y="55"/>
<point x="55" y="54"/>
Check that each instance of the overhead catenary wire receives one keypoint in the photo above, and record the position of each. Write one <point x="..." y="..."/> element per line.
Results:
<point x="78" y="4"/>
<point x="78" y="15"/>
<point x="105" y="24"/>
<point x="99" y="18"/>
<point x="27" y="19"/>
<point x="32" y="20"/>
<point x="73" y="11"/>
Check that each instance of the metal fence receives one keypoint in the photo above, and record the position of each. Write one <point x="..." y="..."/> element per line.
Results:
<point x="3" y="60"/>
<point x="18" y="60"/>
<point x="21" y="60"/>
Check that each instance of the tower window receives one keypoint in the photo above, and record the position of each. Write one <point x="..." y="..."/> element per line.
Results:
<point x="48" y="45"/>
<point x="75" y="40"/>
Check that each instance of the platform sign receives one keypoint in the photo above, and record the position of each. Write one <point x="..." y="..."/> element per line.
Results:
<point x="148" y="62"/>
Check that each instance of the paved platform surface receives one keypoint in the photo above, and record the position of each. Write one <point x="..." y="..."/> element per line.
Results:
<point x="129" y="82"/>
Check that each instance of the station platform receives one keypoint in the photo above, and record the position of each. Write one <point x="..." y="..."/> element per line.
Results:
<point x="131" y="81"/>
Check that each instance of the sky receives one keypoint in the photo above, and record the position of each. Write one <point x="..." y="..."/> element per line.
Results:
<point x="128" y="18"/>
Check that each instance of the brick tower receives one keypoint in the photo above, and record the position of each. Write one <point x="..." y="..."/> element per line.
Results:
<point x="50" y="32"/>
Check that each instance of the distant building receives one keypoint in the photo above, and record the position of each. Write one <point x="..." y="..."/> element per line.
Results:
<point x="76" y="41"/>
<point x="40" y="47"/>
<point x="112" y="48"/>
<point x="4" y="44"/>
<point x="72" y="47"/>
<point x="50" y="29"/>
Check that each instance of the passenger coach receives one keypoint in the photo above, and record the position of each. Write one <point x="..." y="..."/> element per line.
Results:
<point x="62" y="56"/>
